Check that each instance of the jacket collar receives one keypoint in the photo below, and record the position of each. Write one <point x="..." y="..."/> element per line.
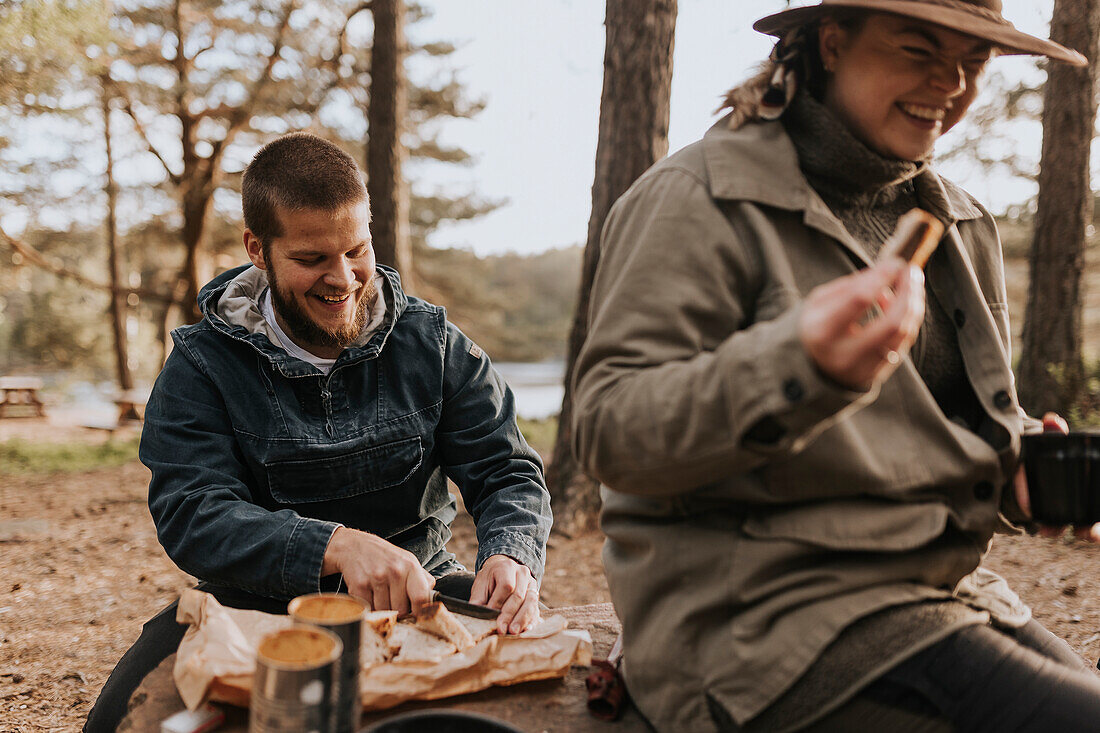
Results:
<point x="242" y="320"/>
<point x="758" y="163"/>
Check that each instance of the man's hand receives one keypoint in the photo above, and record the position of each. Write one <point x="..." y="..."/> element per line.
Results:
<point x="1052" y="423"/>
<point x="381" y="573"/>
<point x="508" y="585"/>
<point x="849" y="349"/>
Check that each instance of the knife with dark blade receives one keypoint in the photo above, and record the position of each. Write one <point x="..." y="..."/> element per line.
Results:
<point x="457" y="605"/>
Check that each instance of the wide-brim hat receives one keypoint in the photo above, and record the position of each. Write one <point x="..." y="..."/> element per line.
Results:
<point x="979" y="18"/>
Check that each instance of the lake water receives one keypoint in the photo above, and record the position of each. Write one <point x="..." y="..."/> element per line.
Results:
<point x="538" y="389"/>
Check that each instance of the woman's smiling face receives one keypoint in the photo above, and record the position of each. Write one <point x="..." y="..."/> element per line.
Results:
<point x="899" y="83"/>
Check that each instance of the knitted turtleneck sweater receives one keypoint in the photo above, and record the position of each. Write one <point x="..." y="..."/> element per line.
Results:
<point x="869" y="193"/>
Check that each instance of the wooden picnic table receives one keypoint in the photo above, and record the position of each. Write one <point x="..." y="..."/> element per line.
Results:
<point x="131" y="405"/>
<point x="553" y="706"/>
<point x="21" y="393"/>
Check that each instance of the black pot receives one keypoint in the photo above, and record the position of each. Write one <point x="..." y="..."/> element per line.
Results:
<point x="1063" y="477"/>
<point x="441" y="721"/>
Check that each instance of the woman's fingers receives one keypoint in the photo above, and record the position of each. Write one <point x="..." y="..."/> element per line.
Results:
<point x="843" y="303"/>
<point x="891" y="335"/>
<point x="1023" y="496"/>
<point x="1054" y="423"/>
<point x="848" y="346"/>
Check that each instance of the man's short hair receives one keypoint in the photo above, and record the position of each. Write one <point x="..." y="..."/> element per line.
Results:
<point x="296" y="171"/>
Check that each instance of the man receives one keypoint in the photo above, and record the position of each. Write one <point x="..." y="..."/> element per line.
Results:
<point x="300" y="436"/>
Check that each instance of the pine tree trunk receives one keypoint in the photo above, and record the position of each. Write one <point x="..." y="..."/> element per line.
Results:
<point x="1051" y="367"/>
<point x="117" y="308"/>
<point x="634" y="111"/>
<point x="386" y="154"/>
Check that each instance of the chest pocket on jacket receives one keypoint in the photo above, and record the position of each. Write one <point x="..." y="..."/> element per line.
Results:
<point x="344" y="475"/>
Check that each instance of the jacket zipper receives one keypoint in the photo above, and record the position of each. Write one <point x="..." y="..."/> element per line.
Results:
<point x="326" y="401"/>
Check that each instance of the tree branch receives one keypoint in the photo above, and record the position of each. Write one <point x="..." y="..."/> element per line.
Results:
<point x="129" y="108"/>
<point x="342" y="37"/>
<point x="41" y="261"/>
<point x="201" y="51"/>
<point x="243" y="112"/>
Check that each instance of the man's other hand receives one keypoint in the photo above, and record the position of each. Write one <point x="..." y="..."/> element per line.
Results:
<point x="381" y="573"/>
<point x="508" y="585"/>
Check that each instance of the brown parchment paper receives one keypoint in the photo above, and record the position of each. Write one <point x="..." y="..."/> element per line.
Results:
<point x="218" y="655"/>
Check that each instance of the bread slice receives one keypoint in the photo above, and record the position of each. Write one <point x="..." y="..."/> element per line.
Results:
<point x="436" y="619"/>
<point x="415" y="645"/>
<point x="478" y="628"/>
<point x="380" y="621"/>
<point x="373" y="648"/>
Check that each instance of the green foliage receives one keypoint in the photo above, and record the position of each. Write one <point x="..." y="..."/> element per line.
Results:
<point x="46" y="45"/>
<point x="18" y="457"/>
<point x="518" y="308"/>
<point x="47" y="324"/>
<point x="540" y="434"/>
<point x="1016" y="229"/>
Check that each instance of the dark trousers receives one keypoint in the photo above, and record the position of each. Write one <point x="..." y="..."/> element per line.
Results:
<point x="161" y="635"/>
<point x="980" y="679"/>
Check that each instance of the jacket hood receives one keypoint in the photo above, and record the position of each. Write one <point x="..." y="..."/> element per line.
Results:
<point x="230" y="303"/>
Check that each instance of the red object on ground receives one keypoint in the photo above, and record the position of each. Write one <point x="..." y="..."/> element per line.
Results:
<point x="606" y="690"/>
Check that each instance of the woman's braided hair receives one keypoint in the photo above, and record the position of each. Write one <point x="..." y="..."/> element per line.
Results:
<point x="795" y="60"/>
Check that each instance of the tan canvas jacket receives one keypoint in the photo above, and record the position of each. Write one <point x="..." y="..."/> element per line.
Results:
<point x="753" y="508"/>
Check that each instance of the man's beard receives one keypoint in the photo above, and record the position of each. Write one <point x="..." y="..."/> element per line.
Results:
<point x="307" y="331"/>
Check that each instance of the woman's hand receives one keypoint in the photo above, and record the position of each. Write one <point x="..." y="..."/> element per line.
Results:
<point x="843" y="343"/>
<point x="1052" y="423"/>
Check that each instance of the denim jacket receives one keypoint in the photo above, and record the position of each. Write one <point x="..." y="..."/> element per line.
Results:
<point x="257" y="457"/>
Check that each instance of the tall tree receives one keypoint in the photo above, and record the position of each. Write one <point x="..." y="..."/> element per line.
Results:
<point x="220" y="71"/>
<point x="1051" y="366"/>
<point x="203" y="84"/>
<point x="634" y="111"/>
<point x="386" y="154"/>
<point x="117" y="308"/>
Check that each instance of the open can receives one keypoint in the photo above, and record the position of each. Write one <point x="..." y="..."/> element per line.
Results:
<point x="342" y="615"/>
<point x="294" y="684"/>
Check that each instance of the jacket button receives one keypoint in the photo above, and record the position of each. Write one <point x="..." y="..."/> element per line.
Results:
<point x="960" y="318"/>
<point x="983" y="491"/>
<point x="1002" y="400"/>
<point x="793" y="390"/>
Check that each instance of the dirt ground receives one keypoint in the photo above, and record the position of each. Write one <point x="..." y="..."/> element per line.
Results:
<point x="81" y="570"/>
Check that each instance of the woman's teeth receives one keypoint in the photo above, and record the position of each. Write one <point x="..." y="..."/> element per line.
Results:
<point x="932" y="114"/>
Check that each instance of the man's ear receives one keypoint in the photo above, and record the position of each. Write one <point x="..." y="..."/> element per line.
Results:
<point x="255" y="249"/>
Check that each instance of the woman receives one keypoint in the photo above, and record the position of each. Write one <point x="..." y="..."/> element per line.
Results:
<point x="798" y="497"/>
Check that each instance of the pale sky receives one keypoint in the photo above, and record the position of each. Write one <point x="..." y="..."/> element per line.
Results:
<point x="539" y="65"/>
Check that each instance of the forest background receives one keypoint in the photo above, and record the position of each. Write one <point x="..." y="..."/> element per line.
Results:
<point x="517" y="303"/>
<point x="124" y="128"/>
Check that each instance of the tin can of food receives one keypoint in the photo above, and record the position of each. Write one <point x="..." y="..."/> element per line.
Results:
<point x="342" y="615"/>
<point x="294" y="685"/>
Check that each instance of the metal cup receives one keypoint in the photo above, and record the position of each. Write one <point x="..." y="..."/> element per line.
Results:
<point x="342" y="615"/>
<point x="1063" y="477"/>
<point x="294" y="682"/>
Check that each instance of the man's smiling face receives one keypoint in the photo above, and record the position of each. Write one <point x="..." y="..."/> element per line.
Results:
<point x="321" y="271"/>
